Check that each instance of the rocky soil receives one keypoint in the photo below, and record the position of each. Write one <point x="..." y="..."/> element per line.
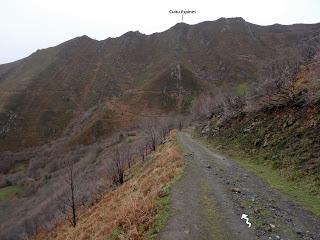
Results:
<point x="210" y="198"/>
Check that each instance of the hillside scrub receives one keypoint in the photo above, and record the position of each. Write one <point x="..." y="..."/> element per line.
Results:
<point x="284" y="138"/>
<point x="134" y="210"/>
<point x="276" y="121"/>
<point x="289" y="80"/>
<point x="95" y="170"/>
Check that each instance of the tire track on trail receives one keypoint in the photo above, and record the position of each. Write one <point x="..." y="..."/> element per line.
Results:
<point x="213" y="193"/>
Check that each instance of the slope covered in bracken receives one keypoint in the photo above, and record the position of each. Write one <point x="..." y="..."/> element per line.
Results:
<point x="134" y="210"/>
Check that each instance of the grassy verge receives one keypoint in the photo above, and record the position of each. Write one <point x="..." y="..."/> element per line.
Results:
<point x="299" y="191"/>
<point x="9" y="192"/>
<point x="163" y="202"/>
<point x="162" y="209"/>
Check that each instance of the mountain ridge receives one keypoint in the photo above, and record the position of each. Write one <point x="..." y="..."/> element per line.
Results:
<point x="277" y="25"/>
<point x="54" y="86"/>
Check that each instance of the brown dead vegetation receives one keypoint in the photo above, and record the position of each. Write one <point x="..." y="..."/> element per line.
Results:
<point x="130" y="209"/>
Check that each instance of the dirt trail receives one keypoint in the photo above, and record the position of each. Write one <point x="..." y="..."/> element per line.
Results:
<point x="213" y="193"/>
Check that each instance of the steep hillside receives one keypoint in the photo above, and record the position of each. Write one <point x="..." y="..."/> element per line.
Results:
<point x="284" y="138"/>
<point x="135" y="210"/>
<point x="274" y="128"/>
<point x="44" y="95"/>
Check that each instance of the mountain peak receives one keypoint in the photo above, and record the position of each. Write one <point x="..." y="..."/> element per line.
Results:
<point x="84" y="37"/>
<point x="181" y="24"/>
<point x="132" y="34"/>
<point x="179" y="27"/>
<point x="237" y="19"/>
<point x="231" y="20"/>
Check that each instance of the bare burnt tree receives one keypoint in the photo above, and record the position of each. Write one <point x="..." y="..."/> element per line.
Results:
<point x="141" y="151"/>
<point x="153" y="137"/>
<point x="233" y="104"/>
<point x="182" y="121"/>
<point x="142" y="148"/>
<point x="279" y="85"/>
<point x="180" y="126"/>
<point x="127" y="154"/>
<point x="116" y="166"/>
<point x="152" y="131"/>
<point x="146" y="148"/>
<point x="69" y="202"/>
<point x="310" y="47"/>
<point x="201" y="107"/>
<point x="164" y="128"/>
<point x="206" y="105"/>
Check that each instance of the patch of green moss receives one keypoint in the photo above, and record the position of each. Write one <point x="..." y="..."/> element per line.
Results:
<point x="186" y="103"/>
<point x="241" y="89"/>
<point x="19" y="167"/>
<point x="116" y="234"/>
<point x="9" y="192"/>
<point x="214" y="219"/>
<point x="163" y="213"/>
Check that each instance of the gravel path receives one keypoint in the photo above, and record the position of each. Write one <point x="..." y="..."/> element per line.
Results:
<point x="213" y="193"/>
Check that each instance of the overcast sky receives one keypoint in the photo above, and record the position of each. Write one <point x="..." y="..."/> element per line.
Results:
<point x="28" y="25"/>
